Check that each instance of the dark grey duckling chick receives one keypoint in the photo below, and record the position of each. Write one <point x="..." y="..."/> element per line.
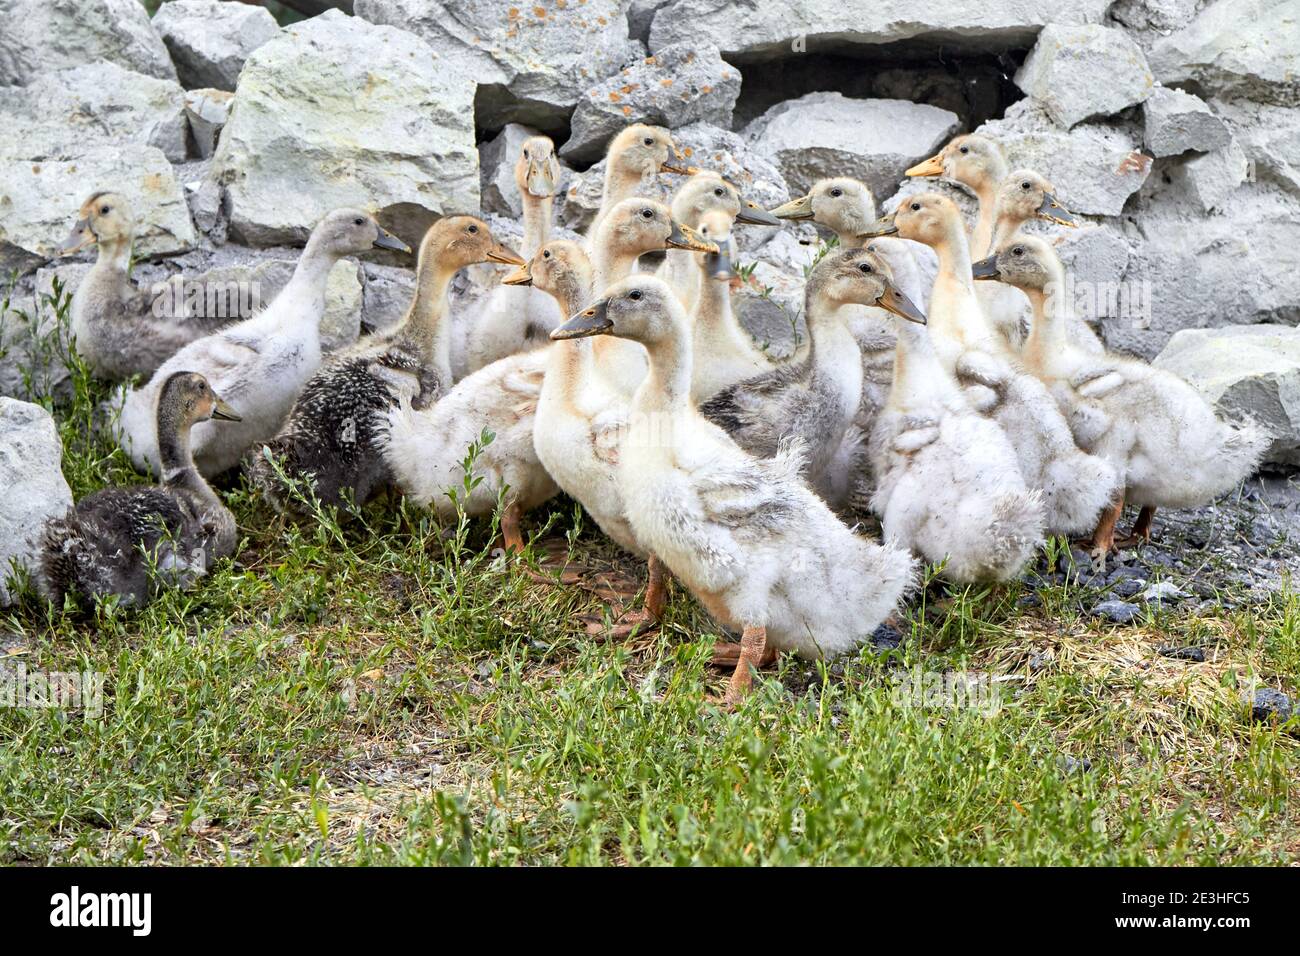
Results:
<point x="129" y="541"/>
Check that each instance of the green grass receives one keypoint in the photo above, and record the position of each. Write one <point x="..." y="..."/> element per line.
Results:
<point x="391" y="691"/>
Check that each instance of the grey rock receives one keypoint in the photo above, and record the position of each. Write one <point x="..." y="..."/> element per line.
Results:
<point x="496" y="161"/>
<point x="1194" y="654"/>
<point x="1079" y="72"/>
<point x="1096" y="258"/>
<point x="1210" y="179"/>
<point x="1149" y="21"/>
<point x="31" y="461"/>
<point x="207" y="110"/>
<point x="41" y="36"/>
<point x="35" y="351"/>
<point x="98" y="104"/>
<point x="770" y="31"/>
<point x="387" y="295"/>
<point x="680" y="84"/>
<point x="1270" y="136"/>
<point x="640" y="13"/>
<point x="336" y="112"/>
<point x="1128" y="587"/>
<point x="1245" y="371"/>
<point x="44" y="196"/>
<point x="1072" y="765"/>
<point x="1117" y="612"/>
<point x="1164" y="592"/>
<point x="1176" y="122"/>
<point x="1270" y="706"/>
<point x="1249" y="49"/>
<point x="827" y="134"/>
<point x="531" y="62"/>
<point x="209" y="40"/>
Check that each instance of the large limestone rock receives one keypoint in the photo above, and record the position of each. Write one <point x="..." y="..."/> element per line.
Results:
<point x="209" y="40"/>
<point x="1176" y="122"/>
<point x="1094" y="166"/>
<point x="43" y="195"/>
<point x="1078" y="72"/>
<point x="1270" y="137"/>
<point x="31" y="460"/>
<point x="1244" y="48"/>
<point x="827" y="134"/>
<point x="39" y="36"/>
<point x="207" y="111"/>
<point x="1246" y="370"/>
<point x="336" y="112"/>
<point x="531" y="62"/>
<point x="681" y="84"/>
<point x="772" y="30"/>
<point x="1212" y="178"/>
<point x="99" y="104"/>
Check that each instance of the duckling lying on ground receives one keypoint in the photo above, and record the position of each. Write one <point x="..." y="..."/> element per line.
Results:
<point x="1167" y="443"/>
<point x="814" y="399"/>
<point x="515" y="318"/>
<point x="258" y="365"/>
<point x="1076" y="486"/>
<point x="332" y="439"/>
<point x="425" y="449"/>
<point x="126" y="541"/>
<point x="759" y="550"/>
<point x="117" y="333"/>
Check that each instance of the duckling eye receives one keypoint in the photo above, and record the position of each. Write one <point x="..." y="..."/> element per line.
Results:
<point x="105" y="210"/>
<point x="471" y="228"/>
<point x="916" y="207"/>
<point x="635" y="295"/>
<point x="837" y="193"/>
<point x="358" y="222"/>
<point x="546" y="254"/>
<point x="648" y="141"/>
<point x="719" y="191"/>
<point x="866" y="267"/>
<point x="525" y="154"/>
<point x="1018" y="251"/>
<point x="964" y="150"/>
<point x="647" y="214"/>
<point x="1025" y="184"/>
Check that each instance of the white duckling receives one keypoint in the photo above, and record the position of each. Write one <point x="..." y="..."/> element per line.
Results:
<point x="127" y="541"/>
<point x="814" y="399"/>
<point x="116" y="331"/>
<point x="515" y="318"/>
<point x="759" y="550"/>
<point x="635" y="157"/>
<point x="1169" y="446"/>
<point x="332" y="439"/>
<point x="425" y="450"/>
<point x="259" y="365"/>
<point x="1075" y="486"/>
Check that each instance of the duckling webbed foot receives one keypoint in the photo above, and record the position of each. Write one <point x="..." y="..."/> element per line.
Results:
<point x="1140" y="533"/>
<point x="753" y="650"/>
<point x="656" y="592"/>
<point x="1103" y="541"/>
<point x="510" y="533"/>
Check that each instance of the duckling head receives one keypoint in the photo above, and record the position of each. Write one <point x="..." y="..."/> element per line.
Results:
<point x="455" y="242"/>
<point x="842" y="205"/>
<point x="707" y="191"/>
<point x="186" y="399"/>
<point x="103" y="218"/>
<point x="561" y="268"/>
<point x="641" y="308"/>
<point x="641" y="152"/>
<point x="715" y="227"/>
<point x="971" y="160"/>
<point x="859" y="277"/>
<point x="926" y="217"/>
<point x="637" y="226"/>
<point x="350" y="232"/>
<point x="1026" y="262"/>
<point x="1025" y="195"/>
<point x="537" y="171"/>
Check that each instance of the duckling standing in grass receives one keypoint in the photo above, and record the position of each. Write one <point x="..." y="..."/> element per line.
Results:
<point x="332" y="439"/>
<point x="515" y="318"/>
<point x="260" y="364"/>
<point x="125" y="541"/>
<point x="759" y="550"/>
<point x="425" y="449"/>
<point x="117" y="333"/>
<point x="1169" y="446"/>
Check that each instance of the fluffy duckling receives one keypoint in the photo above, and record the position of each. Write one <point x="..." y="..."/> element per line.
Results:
<point x="333" y="437"/>
<point x="1076" y="486"/>
<point x="1023" y="196"/>
<point x="816" y="398"/>
<point x="758" y="549"/>
<point x="1166" y="441"/>
<point x="425" y="449"/>
<point x="634" y="158"/>
<point x="704" y="193"/>
<point x="125" y="541"/>
<point x="116" y="332"/>
<point x="516" y="318"/>
<point x="947" y="481"/>
<point x="259" y="365"/>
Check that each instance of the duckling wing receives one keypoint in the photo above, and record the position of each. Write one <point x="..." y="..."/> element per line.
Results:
<point x="757" y="412"/>
<point x="750" y="493"/>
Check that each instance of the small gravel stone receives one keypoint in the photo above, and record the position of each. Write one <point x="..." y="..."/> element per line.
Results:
<point x="1270" y="705"/>
<point x="1070" y="765"/>
<point x="1196" y="654"/>
<point x="1117" y="612"/>
<point x="1162" y="592"/>
<point x="1127" y="587"/>
<point x="1029" y="601"/>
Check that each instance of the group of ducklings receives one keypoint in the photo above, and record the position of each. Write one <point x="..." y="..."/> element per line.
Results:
<point x="639" y="394"/>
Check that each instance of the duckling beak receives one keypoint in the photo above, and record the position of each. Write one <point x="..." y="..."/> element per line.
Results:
<point x="986" y="268"/>
<point x="543" y="174"/>
<point x="800" y="208"/>
<point x="223" y="412"/>
<point x="521" y="276"/>
<point x="386" y="240"/>
<point x="718" y="264"/>
<point x="679" y="167"/>
<point x="929" y="167"/>
<point x="80" y="237"/>
<point x="1052" y="210"/>
<point x="505" y="255"/>
<point x="752" y="214"/>
<point x="684" y="237"/>
<point x="894" y="301"/>
<point x="884" y="226"/>
<point x="593" y="320"/>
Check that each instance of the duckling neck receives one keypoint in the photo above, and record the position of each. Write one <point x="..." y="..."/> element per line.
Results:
<point x="612" y="262"/>
<point x="178" y="471"/>
<point x="919" y="376"/>
<point x="311" y="275"/>
<point x="986" y="191"/>
<point x="955" y="313"/>
<point x="425" y="329"/>
<point x="713" y="308"/>
<point x="537" y="222"/>
<point x="571" y="364"/>
<point x="1005" y="226"/>
<point x="1048" y="336"/>
<point x="114" y="255"/>
<point x="666" y="388"/>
